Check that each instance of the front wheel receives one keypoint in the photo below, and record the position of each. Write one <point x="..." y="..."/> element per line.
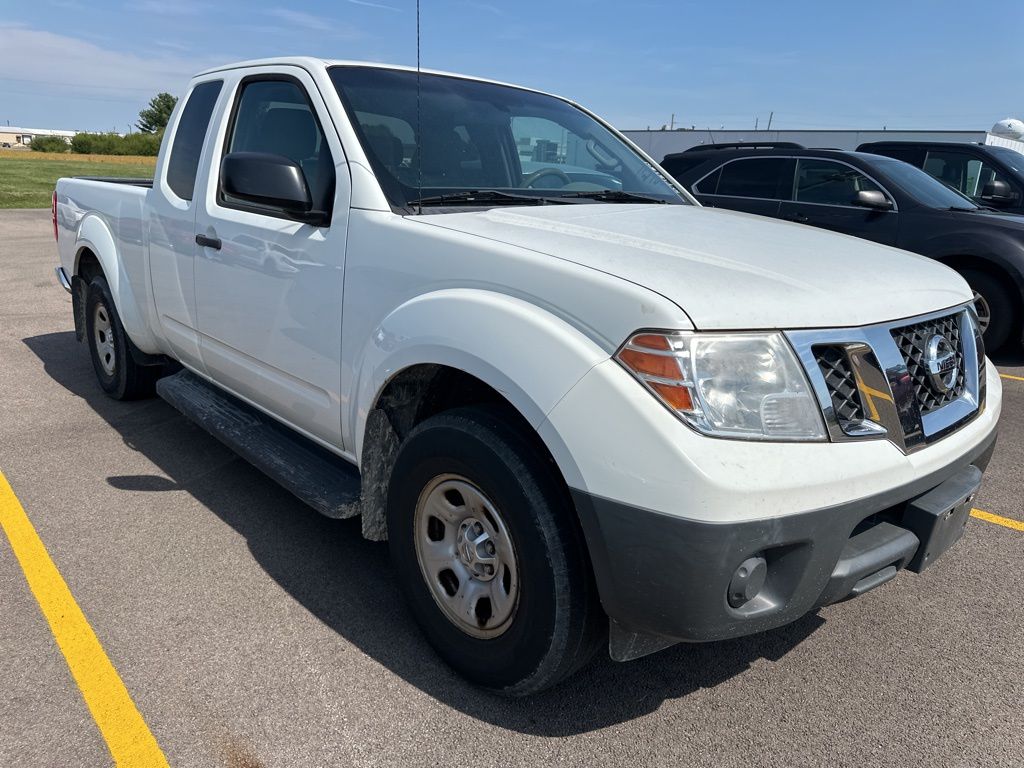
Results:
<point x="489" y="555"/>
<point x="993" y="302"/>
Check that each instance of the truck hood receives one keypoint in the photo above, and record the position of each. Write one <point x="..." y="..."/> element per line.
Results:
<point x="728" y="270"/>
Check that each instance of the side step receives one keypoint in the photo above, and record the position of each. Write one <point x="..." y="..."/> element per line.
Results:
<point x="326" y="482"/>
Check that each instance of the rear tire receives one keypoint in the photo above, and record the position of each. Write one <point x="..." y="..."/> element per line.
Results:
<point x="117" y="372"/>
<point x="484" y="538"/>
<point x="995" y="306"/>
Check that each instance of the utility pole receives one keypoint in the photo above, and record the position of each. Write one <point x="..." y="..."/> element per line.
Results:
<point x="770" y="116"/>
<point x="672" y="122"/>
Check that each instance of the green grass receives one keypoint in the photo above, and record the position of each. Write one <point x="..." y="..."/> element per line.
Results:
<point x="27" y="179"/>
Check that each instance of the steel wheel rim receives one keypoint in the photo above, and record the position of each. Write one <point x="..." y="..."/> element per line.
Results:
<point x="103" y="339"/>
<point x="983" y="311"/>
<point x="466" y="556"/>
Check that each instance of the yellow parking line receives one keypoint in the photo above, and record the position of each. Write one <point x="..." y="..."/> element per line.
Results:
<point x="1008" y="376"/>
<point x="122" y="727"/>
<point x="1006" y="522"/>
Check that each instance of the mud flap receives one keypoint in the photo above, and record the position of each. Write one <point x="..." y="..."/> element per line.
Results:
<point x="78" y="288"/>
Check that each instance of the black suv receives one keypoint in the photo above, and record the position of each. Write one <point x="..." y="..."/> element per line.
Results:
<point x="877" y="198"/>
<point x="991" y="176"/>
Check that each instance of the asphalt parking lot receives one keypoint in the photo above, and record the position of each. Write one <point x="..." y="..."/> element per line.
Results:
<point x="249" y="631"/>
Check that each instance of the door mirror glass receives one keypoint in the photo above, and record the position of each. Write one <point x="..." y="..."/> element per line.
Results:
<point x="998" y="192"/>
<point x="872" y="198"/>
<point x="268" y="180"/>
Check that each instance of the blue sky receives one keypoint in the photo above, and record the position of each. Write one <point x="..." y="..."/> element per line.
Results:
<point x="92" y="64"/>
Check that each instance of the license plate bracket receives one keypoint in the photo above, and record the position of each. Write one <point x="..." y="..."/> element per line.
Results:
<point x="938" y="518"/>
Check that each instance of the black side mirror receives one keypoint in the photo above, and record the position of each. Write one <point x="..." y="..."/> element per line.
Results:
<point x="271" y="180"/>
<point x="872" y="198"/>
<point x="998" y="192"/>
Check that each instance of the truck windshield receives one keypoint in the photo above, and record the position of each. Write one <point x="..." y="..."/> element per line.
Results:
<point x="1013" y="160"/>
<point x="477" y="139"/>
<point x="925" y="189"/>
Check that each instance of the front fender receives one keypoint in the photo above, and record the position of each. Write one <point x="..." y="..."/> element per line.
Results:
<point x="527" y="354"/>
<point x="95" y="235"/>
<point x="1001" y="249"/>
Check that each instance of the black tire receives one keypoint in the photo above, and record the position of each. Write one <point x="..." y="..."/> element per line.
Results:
<point x="558" y="623"/>
<point x="116" y="370"/>
<point x="1004" y="312"/>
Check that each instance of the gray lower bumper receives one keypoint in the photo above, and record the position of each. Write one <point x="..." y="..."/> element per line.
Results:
<point x="665" y="579"/>
<point x="62" y="278"/>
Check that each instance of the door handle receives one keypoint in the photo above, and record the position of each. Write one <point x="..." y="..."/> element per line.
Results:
<point x="208" y="242"/>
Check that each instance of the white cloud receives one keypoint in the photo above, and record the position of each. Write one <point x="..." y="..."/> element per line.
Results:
<point x="314" y="23"/>
<point x="47" y="61"/>
<point x="374" y="5"/>
<point x="167" y="7"/>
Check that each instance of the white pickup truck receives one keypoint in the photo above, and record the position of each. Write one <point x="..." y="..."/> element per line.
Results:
<point x="581" y="408"/>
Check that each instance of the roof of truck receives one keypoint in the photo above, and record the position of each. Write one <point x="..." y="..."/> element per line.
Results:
<point x="312" y="62"/>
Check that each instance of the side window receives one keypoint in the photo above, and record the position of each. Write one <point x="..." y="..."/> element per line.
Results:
<point x="709" y="184"/>
<point x="189" y="137"/>
<point x="768" y="178"/>
<point x="275" y="117"/>
<point x="829" y="183"/>
<point x="965" y="173"/>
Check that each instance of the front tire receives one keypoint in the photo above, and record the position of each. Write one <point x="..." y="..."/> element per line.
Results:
<point x="484" y="538"/>
<point x="117" y="372"/>
<point x="997" y="314"/>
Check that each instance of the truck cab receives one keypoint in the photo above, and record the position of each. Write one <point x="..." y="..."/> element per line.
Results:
<point x="990" y="175"/>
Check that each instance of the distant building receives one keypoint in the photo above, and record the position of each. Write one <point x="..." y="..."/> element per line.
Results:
<point x="11" y="137"/>
<point x="664" y="142"/>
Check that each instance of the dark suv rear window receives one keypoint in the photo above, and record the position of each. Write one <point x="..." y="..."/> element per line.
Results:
<point x="189" y="137"/>
<point x="769" y="178"/>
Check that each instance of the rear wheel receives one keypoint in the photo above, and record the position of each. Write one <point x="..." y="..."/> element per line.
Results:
<point x="117" y="372"/>
<point x="484" y="539"/>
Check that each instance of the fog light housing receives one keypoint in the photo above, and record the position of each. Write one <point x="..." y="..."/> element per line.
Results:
<point x="747" y="581"/>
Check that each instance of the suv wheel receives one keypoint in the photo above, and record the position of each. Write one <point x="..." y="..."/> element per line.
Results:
<point x="997" y="315"/>
<point x="484" y="539"/>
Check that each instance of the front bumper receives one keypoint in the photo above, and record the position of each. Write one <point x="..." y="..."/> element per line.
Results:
<point x="665" y="578"/>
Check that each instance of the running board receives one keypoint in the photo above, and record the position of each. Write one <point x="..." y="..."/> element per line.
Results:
<point x="326" y="482"/>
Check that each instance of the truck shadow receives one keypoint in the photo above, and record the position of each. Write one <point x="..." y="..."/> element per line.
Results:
<point x="348" y="583"/>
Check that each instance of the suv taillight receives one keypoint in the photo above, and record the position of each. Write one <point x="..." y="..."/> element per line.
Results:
<point x="53" y="212"/>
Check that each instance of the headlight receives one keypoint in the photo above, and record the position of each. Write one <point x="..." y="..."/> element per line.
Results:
<point x="739" y="385"/>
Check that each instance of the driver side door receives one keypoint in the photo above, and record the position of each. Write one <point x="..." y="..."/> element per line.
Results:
<point x="269" y="287"/>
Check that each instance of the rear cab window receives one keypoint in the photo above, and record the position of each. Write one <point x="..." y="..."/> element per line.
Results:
<point x="189" y="137"/>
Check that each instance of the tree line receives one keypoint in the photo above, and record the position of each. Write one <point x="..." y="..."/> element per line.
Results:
<point x="152" y="122"/>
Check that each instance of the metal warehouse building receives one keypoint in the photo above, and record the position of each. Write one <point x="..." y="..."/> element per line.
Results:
<point x="22" y="137"/>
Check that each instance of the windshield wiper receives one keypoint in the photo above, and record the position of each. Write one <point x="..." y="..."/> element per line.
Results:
<point x="961" y="209"/>
<point x="481" y="197"/>
<point x="615" y="196"/>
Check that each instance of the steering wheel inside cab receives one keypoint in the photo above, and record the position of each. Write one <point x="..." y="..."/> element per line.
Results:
<point x="552" y="174"/>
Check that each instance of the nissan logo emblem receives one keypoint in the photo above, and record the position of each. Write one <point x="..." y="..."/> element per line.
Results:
<point x="940" y="360"/>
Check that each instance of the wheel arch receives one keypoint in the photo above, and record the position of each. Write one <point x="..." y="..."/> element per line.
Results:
<point x="443" y="352"/>
<point x="96" y="253"/>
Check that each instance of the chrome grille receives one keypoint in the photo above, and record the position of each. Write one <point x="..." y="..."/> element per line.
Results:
<point x="842" y="386"/>
<point x="912" y="341"/>
<point x="872" y="381"/>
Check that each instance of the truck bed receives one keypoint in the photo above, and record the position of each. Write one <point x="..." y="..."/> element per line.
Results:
<point x="147" y="183"/>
